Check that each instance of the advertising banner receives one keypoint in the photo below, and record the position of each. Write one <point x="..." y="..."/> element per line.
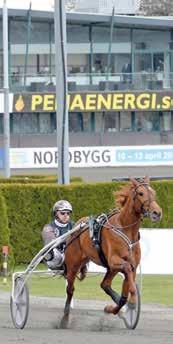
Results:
<point x="1" y="158"/>
<point x="104" y="156"/>
<point x="96" y="101"/>
<point x="2" y="102"/>
<point x="48" y="157"/>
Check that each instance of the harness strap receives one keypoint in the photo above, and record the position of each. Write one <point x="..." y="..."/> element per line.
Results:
<point x="119" y="232"/>
<point x="101" y="253"/>
<point x="125" y="238"/>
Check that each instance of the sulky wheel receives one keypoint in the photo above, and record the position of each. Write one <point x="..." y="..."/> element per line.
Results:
<point x="19" y="305"/>
<point x="130" y="313"/>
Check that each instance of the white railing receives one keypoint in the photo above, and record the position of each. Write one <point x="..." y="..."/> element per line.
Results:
<point x="93" y="81"/>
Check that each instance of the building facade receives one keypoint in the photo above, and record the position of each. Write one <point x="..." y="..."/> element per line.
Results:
<point x="156" y="7"/>
<point x="120" y="78"/>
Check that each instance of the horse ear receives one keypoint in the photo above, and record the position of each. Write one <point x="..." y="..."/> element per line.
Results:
<point x="134" y="181"/>
<point x="146" y="179"/>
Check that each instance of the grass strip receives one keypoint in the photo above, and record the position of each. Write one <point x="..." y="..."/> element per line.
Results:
<point x="155" y="288"/>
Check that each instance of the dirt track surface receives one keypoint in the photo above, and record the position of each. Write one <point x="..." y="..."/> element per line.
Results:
<point x="87" y="324"/>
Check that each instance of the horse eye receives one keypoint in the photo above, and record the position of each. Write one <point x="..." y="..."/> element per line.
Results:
<point x="141" y="194"/>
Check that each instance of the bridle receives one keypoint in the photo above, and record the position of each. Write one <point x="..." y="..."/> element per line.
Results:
<point x="150" y="199"/>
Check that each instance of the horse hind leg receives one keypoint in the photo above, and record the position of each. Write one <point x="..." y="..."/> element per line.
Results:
<point x="70" y="286"/>
<point x="69" y="291"/>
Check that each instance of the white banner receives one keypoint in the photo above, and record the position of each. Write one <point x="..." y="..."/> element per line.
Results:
<point x="48" y="157"/>
<point x="2" y="102"/>
<point x="157" y="252"/>
<point x="158" y="155"/>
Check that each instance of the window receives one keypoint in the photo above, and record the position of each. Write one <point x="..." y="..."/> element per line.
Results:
<point x="147" y="121"/>
<point x="143" y="62"/>
<point x="80" y="122"/>
<point x="98" y="122"/>
<point x="166" y="121"/>
<point x="77" y="34"/>
<point x="102" y="34"/>
<point x="111" y="122"/>
<point x="86" y="121"/>
<point x="158" y="62"/>
<point x="78" y="63"/>
<point x="75" y="122"/>
<point x="45" y="123"/>
<point x="18" y="32"/>
<point x="29" y="123"/>
<point x="40" y="32"/>
<point x="152" y="39"/>
<point x="16" y="123"/>
<point x="125" y="121"/>
<point x="24" y="123"/>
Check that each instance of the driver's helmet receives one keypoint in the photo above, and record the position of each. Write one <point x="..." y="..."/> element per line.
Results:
<point x="62" y="206"/>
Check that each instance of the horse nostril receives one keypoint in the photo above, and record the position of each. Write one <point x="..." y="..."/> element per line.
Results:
<point x="157" y="214"/>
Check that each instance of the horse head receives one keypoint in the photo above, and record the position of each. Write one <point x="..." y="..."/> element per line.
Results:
<point x="144" y="198"/>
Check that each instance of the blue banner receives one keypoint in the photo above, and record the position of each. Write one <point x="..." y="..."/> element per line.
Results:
<point x="145" y="155"/>
<point x="1" y="158"/>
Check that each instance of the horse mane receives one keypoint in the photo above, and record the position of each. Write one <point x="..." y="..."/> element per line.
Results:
<point x="122" y="195"/>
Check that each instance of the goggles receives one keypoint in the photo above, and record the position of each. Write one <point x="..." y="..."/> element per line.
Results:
<point x="65" y="213"/>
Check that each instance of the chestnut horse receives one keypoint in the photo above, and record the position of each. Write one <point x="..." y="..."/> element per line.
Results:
<point x="119" y="244"/>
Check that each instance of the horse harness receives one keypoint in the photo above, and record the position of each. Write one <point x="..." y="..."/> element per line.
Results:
<point x="95" y="228"/>
<point x="96" y="225"/>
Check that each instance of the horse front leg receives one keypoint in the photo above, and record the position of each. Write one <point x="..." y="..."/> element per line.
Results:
<point x="128" y="285"/>
<point x="131" y="296"/>
<point x="106" y="286"/>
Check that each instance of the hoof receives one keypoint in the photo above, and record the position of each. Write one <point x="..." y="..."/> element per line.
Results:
<point x="64" y="322"/>
<point x="111" y="310"/>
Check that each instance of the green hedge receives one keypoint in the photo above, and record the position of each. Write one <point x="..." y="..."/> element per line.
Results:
<point x="33" y="179"/>
<point x="4" y="233"/>
<point x="29" y="208"/>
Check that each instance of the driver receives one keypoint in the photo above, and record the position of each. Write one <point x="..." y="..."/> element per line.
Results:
<point x="60" y="225"/>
